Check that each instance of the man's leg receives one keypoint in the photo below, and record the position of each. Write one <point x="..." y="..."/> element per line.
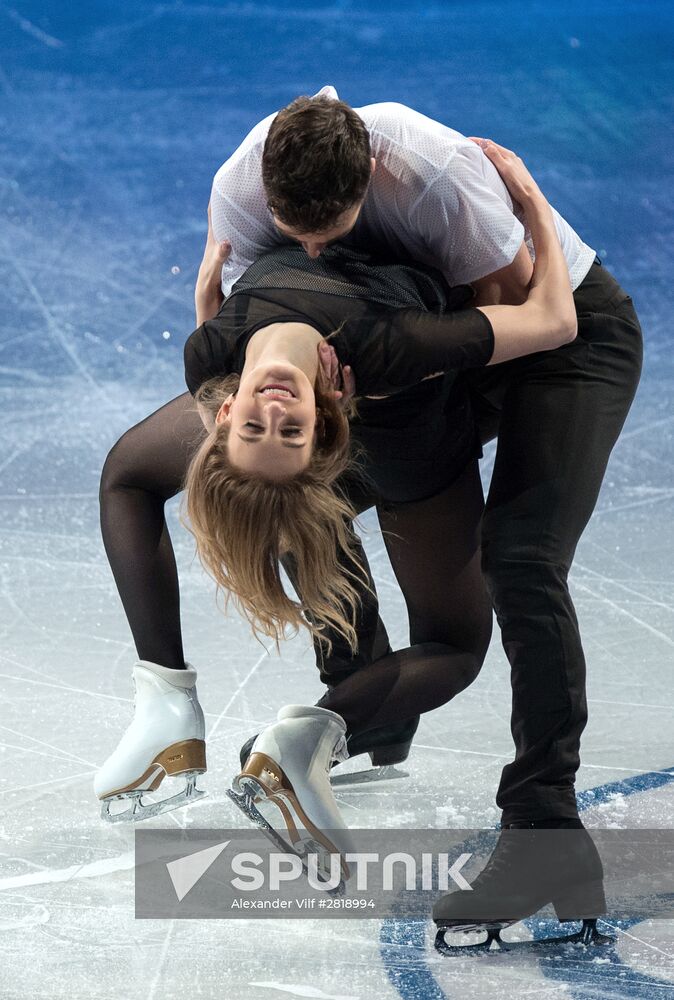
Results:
<point x="561" y="414"/>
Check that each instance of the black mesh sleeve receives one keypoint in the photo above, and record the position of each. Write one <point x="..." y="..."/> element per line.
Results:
<point x="403" y="346"/>
<point x="207" y="354"/>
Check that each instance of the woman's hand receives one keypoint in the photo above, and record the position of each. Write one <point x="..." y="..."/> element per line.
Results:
<point x="208" y="295"/>
<point x="342" y="380"/>
<point x="521" y="185"/>
<point x="547" y="318"/>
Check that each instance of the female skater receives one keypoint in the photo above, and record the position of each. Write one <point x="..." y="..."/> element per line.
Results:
<point x="449" y="610"/>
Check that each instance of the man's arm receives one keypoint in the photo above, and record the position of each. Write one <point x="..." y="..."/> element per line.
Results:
<point x="466" y="221"/>
<point x="238" y="204"/>
<point x="509" y="285"/>
<point x="208" y="296"/>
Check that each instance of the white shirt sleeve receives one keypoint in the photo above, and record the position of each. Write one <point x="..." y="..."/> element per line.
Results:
<point x="465" y="217"/>
<point x="239" y="211"/>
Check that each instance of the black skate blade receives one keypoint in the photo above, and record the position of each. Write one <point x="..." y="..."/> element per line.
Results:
<point x="245" y="803"/>
<point x="388" y="772"/>
<point x="587" y="936"/>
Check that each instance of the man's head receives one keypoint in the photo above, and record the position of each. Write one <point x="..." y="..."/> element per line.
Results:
<point x="316" y="168"/>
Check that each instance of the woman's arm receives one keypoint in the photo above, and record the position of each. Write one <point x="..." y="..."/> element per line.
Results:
<point x="404" y="346"/>
<point x="547" y="319"/>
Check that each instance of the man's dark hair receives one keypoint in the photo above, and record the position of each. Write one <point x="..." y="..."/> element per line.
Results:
<point x="316" y="163"/>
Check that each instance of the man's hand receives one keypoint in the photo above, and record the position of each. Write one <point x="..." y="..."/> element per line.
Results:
<point x="208" y="295"/>
<point x="341" y="379"/>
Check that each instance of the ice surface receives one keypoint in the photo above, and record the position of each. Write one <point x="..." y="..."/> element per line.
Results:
<point x="114" y="118"/>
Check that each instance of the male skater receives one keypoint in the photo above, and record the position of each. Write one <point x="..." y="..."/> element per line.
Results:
<point x="386" y="177"/>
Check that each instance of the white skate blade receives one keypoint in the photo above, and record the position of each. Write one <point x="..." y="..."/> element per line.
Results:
<point x="388" y="772"/>
<point x="139" y="810"/>
<point x="450" y="940"/>
<point x="245" y="801"/>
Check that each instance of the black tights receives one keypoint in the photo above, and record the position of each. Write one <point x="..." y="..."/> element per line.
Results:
<point x="146" y="468"/>
<point x="433" y="546"/>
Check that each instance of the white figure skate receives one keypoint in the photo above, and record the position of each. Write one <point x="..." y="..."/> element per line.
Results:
<point x="166" y="736"/>
<point x="289" y="766"/>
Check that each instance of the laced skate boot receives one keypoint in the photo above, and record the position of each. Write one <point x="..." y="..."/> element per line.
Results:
<point x="386" y="747"/>
<point x="166" y="737"/>
<point x="289" y="766"/>
<point x="533" y="864"/>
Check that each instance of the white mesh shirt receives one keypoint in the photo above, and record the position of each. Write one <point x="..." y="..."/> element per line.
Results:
<point x="434" y="197"/>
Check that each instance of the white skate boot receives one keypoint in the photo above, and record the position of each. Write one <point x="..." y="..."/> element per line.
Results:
<point x="289" y="766"/>
<point x="166" y="736"/>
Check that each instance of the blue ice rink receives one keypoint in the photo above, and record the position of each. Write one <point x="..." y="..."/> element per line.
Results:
<point x="113" y="119"/>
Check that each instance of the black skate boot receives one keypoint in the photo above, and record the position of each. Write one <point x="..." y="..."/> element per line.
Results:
<point x="386" y="746"/>
<point x="533" y="864"/>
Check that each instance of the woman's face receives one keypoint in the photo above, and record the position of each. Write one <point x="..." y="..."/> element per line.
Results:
<point x="272" y="420"/>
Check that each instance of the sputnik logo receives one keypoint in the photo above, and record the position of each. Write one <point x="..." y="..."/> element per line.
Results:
<point x="186" y="872"/>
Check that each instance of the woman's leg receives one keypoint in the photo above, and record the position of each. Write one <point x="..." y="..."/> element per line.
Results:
<point x="434" y="547"/>
<point x="371" y="631"/>
<point x="435" y="553"/>
<point x="146" y="468"/>
<point x="386" y="744"/>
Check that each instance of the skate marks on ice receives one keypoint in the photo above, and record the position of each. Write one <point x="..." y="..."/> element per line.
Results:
<point x="94" y="869"/>
<point x="311" y="992"/>
<point x="618" y="792"/>
<point x="37" y="913"/>
<point x="639" y="965"/>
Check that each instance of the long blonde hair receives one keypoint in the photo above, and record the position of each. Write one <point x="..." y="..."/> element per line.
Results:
<point x="243" y="524"/>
